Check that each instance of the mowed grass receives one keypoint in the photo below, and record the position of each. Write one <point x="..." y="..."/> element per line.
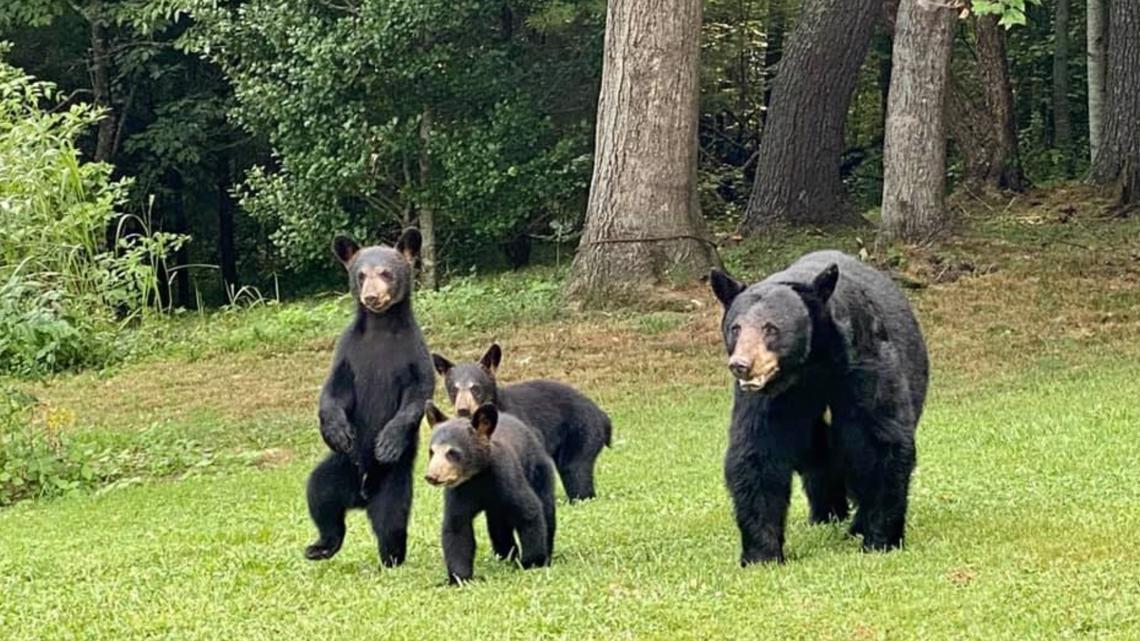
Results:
<point x="1025" y="506"/>
<point x="1023" y="525"/>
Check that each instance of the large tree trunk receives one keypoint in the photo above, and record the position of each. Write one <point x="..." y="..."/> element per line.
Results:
<point x="1095" y="36"/>
<point x="643" y="223"/>
<point x="914" y="150"/>
<point x="426" y="212"/>
<point x="1117" y="162"/>
<point x="982" y="120"/>
<point x="797" y="172"/>
<point x="1062" y="122"/>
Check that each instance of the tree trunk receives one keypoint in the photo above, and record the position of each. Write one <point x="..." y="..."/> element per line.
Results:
<point x="797" y="172"/>
<point x="101" y="93"/>
<point x="993" y="65"/>
<point x="914" y="149"/>
<point x="227" y="257"/>
<point x="1096" y="66"/>
<point x="426" y="212"/>
<point x="643" y="223"/>
<point x="773" y="49"/>
<point x="982" y="120"/>
<point x="1117" y="161"/>
<point x="1062" y="122"/>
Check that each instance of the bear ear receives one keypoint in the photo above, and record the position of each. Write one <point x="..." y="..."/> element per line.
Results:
<point x="442" y="365"/>
<point x="485" y="420"/>
<point x="410" y="244"/>
<point x="492" y="358"/>
<point x="433" y="414"/>
<point x="725" y="287"/>
<point x="344" y="248"/>
<point x="824" y="283"/>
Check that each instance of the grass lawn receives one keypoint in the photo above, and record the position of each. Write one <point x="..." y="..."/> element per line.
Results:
<point x="1025" y="506"/>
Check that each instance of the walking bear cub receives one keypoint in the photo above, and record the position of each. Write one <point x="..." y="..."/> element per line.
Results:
<point x="372" y="403"/>
<point x="573" y="429"/>
<point x="491" y="462"/>
<point x="831" y="374"/>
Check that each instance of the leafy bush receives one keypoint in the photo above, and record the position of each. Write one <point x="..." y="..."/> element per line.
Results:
<point x="62" y="290"/>
<point x="35" y="459"/>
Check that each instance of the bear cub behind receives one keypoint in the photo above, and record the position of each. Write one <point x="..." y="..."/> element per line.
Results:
<point x="491" y="462"/>
<point x="573" y="428"/>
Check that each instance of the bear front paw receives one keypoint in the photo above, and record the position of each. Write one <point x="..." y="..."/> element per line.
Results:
<point x="337" y="436"/>
<point x="388" y="450"/>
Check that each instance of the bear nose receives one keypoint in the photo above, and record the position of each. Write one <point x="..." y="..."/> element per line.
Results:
<point x="371" y="299"/>
<point x="740" y="367"/>
<point x="431" y="478"/>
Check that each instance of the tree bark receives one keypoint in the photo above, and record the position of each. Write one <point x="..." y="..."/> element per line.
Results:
<point x="1095" y="35"/>
<point x="773" y="49"/>
<point x="1062" y="121"/>
<point x="643" y="223"/>
<point x="426" y="212"/>
<point x="797" y="172"/>
<point x="1117" y="161"/>
<point x="914" y="150"/>
<point x="227" y="257"/>
<point x="985" y="127"/>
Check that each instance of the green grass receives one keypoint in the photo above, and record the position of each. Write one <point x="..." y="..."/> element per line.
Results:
<point x="1023" y="508"/>
<point x="1023" y="525"/>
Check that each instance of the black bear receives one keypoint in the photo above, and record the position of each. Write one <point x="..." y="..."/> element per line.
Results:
<point x="831" y="374"/>
<point x="573" y="428"/>
<point x="491" y="462"/>
<point x="372" y="403"/>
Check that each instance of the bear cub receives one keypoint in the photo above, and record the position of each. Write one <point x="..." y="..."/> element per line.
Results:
<point x="372" y="403"/>
<point x="573" y="428"/>
<point x="830" y="372"/>
<point x="491" y="462"/>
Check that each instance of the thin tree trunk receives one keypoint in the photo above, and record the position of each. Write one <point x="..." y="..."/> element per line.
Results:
<point x="797" y="171"/>
<point x="101" y="92"/>
<point x="1117" y="161"/>
<point x="914" y="150"/>
<point x="993" y="65"/>
<point x="227" y="257"/>
<point x="426" y="212"/>
<point x="643" y="224"/>
<point x="1096" y="67"/>
<point x="1062" y="122"/>
<point x="773" y="49"/>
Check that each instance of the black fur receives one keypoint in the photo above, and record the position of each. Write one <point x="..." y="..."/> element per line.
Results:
<point x="370" y="409"/>
<point x="847" y="344"/>
<point x="505" y="473"/>
<point x="573" y="428"/>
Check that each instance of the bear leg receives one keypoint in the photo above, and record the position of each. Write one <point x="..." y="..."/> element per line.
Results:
<point x="502" y="535"/>
<point x="882" y="497"/>
<point x="388" y="511"/>
<point x="332" y="489"/>
<point x="578" y="478"/>
<point x="826" y="494"/>
<point x="760" y="492"/>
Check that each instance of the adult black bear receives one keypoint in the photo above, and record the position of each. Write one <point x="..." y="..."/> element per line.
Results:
<point x="831" y="372"/>
<point x="573" y="428"/>
<point x="372" y="403"/>
<point x="491" y="462"/>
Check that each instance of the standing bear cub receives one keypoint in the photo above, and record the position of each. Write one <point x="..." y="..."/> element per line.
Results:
<point x="831" y="374"/>
<point x="573" y="429"/>
<point x="490" y="462"/>
<point x="372" y="403"/>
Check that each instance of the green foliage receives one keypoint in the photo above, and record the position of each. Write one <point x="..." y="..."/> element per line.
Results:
<point x="340" y="92"/>
<point x="36" y="459"/>
<point x="1011" y="12"/>
<point x="60" y="285"/>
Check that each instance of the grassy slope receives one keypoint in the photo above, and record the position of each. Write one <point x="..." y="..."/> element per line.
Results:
<point x="1024" y="505"/>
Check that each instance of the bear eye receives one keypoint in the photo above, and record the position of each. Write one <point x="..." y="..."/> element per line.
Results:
<point x="431" y="452"/>
<point x="360" y="276"/>
<point x="454" y="456"/>
<point x="770" y="330"/>
<point x="734" y="331"/>
<point x="475" y="390"/>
